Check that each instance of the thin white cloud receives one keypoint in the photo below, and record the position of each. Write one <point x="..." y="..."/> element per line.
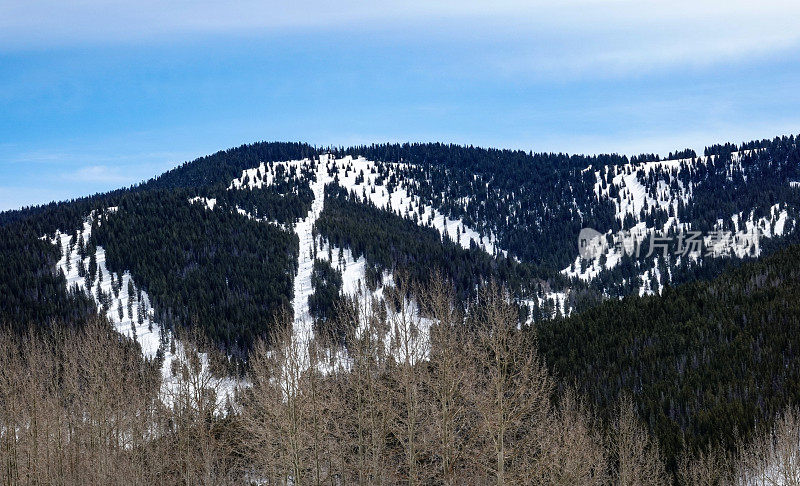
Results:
<point x="571" y="36"/>
<point x="98" y="174"/>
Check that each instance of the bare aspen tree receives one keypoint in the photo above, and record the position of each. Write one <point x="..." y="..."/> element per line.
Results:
<point x="28" y="377"/>
<point x="710" y="467"/>
<point x="365" y="392"/>
<point x="636" y="455"/>
<point x="449" y="413"/>
<point x="193" y="393"/>
<point x="318" y="413"/>
<point x="289" y="410"/>
<point x="261" y="414"/>
<point x="772" y="458"/>
<point x="288" y="377"/>
<point x="408" y="349"/>
<point x="324" y="410"/>
<point x="80" y="406"/>
<point x="511" y="389"/>
<point x="9" y="410"/>
<point x="569" y="448"/>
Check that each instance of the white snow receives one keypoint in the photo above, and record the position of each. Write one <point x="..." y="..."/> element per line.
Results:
<point x="207" y="202"/>
<point x="352" y="269"/>
<point x="646" y="287"/>
<point x="147" y="333"/>
<point x="555" y="300"/>
<point x="303" y="326"/>
<point x="363" y="177"/>
<point x="622" y="242"/>
<point x="635" y="198"/>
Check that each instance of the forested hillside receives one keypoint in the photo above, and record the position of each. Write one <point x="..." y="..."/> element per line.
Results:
<point x="706" y="362"/>
<point x="529" y="207"/>
<point x="537" y="203"/>
<point x="31" y="291"/>
<point x="389" y="241"/>
<point x="288" y="258"/>
<point x="216" y="271"/>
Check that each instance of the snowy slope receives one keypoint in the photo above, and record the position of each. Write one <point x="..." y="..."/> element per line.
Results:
<point x="638" y="189"/>
<point x="381" y="184"/>
<point x="131" y="314"/>
<point x="633" y="197"/>
<point x="302" y="281"/>
<point x="370" y="181"/>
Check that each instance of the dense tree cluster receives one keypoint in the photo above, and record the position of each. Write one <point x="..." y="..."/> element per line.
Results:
<point x="31" y="291"/>
<point x="216" y="270"/>
<point x="222" y="167"/>
<point x="285" y="201"/>
<point x="389" y="241"/>
<point x="325" y="303"/>
<point x="704" y="361"/>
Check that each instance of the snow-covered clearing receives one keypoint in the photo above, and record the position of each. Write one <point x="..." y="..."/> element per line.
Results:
<point x="363" y="178"/>
<point x="303" y="325"/>
<point x="207" y="202"/>
<point x="633" y="197"/>
<point x="380" y="183"/>
<point x="638" y="189"/>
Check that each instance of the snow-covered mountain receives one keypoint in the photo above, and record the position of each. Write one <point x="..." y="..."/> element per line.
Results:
<point x="222" y="243"/>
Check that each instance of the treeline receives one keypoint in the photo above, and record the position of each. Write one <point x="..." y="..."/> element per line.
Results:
<point x="706" y="363"/>
<point x="222" y="167"/>
<point x="215" y="271"/>
<point x="202" y="176"/>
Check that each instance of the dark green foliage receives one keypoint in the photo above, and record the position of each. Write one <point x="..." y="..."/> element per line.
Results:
<point x="31" y="292"/>
<point x="703" y="361"/>
<point x="389" y="241"/>
<point x="326" y="299"/>
<point x="536" y="204"/>
<point x="226" y="165"/>
<point x="285" y="200"/>
<point x="64" y="216"/>
<point x="214" y="270"/>
<point x="327" y="284"/>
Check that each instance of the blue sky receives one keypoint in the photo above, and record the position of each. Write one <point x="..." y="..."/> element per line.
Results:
<point x="99" y="95"/>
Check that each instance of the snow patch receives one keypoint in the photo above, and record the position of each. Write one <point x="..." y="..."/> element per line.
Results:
<point x="128" y="309"/>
